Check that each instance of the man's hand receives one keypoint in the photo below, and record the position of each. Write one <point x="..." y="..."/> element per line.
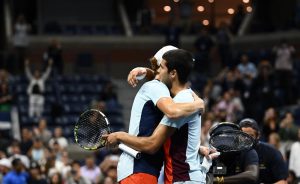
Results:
<point x="111" y="139"/>
<point x="208" y="152"/>
<point x="199" y="102"/>
<point x="203" y="150"/>
<point x="132" y="78"/>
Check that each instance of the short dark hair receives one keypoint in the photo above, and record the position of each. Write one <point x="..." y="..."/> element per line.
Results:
<point x="15" y="162"/>
<point x="180" y="60"/>
<point x="249" y="122"/>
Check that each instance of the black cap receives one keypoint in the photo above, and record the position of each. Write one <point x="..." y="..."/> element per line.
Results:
<point x="249" y="122"/>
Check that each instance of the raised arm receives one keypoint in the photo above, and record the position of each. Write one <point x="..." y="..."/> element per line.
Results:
<point x="134" y="74"/>
<point x="48" y="70"/>
<point x="148" y="145"/>
<point x="27" y="70"/>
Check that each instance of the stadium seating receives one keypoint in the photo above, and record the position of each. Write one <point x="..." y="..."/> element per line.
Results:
<point x="74" y="95"/>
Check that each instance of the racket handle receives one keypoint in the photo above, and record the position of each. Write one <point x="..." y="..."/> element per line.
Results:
<point x="130" y="151"/>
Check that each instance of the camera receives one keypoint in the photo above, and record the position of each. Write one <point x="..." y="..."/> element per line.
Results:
<point x="219" y="169"/>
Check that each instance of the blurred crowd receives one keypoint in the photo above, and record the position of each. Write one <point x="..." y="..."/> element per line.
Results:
<point x="42" y="158"/>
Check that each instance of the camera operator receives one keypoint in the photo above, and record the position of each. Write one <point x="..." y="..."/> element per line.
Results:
<point x="272" y="168"/>
<point x="234" y="167"/>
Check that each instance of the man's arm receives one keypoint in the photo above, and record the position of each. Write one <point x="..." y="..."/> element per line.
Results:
<point x="177" y="110"/>
<point x="133" y="75"/>
<point x="144" y="144"/>
<point x="166" y="104"/>
<point x="250" y="175"/>
<point x="27" y="70"/>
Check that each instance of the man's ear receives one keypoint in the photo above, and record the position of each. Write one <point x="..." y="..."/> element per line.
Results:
<point x="173" y="73"/>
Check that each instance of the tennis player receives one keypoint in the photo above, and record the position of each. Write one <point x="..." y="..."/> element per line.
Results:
<point x="181" y="137"/>
<point x="152" y="101"/>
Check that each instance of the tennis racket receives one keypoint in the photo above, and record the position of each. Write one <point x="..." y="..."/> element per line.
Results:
<point x="231" y="141"/>
<point x="89" y="129"/>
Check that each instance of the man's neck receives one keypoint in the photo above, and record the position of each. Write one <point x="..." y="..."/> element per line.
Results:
<point x="177" y="87"/>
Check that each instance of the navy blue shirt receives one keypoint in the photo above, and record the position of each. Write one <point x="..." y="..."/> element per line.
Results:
<point x="272" y="167"/>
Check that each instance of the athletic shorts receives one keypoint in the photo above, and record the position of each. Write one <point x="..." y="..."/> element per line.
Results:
<point x="139" y="178"/>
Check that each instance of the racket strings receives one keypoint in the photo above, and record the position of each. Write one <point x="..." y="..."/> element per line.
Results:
<point x="231" y="142"/>
<point x="90" y="128"/>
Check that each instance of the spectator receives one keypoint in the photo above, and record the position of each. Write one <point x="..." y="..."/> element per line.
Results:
<point x="35" y="175"/>
<point x="38" y="152"/>
<point x="6" y="97"/>
<point x="109" y="167"/>
<point x="36" y="89"/>
<point x="62" y="141"/>
<point x="272" y="168"/>
<point x="56" y="179"/>
<point x="284" y="70"/>
<point x="57" y="151"/>
<point x="50" y="166"/>
<point x="20" y="41"/>
<point x="274" y="140"/>
<point x="288" y="129"/>
<point x="232" y="79"/>
<point x="75" y="176"/>
<point x="237" y="107"/>
<point x="247" y="70"/>
<point x="15" y="153"/>
<point x="17" y="175"/>
<point x="65" y="164"/>
<point x="288" y="132"/>
<point x="42" y="132"/>
<point x="270" y="122"/>
<point x="262" y="90"/>
<point x="54" y="52"/>
<point x="27" y="140"/>
<point x="5" y="166"/>
<point x="90" y="170"/>
<point x="294" y="162"/>
<point x="230" y="105"/>
<point x="5" y="77"/>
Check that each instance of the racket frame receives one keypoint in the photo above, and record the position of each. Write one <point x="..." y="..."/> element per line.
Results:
<point x="123" y="147"/>
<point x="77" y="127"/>
<point x="232" y="132"/>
